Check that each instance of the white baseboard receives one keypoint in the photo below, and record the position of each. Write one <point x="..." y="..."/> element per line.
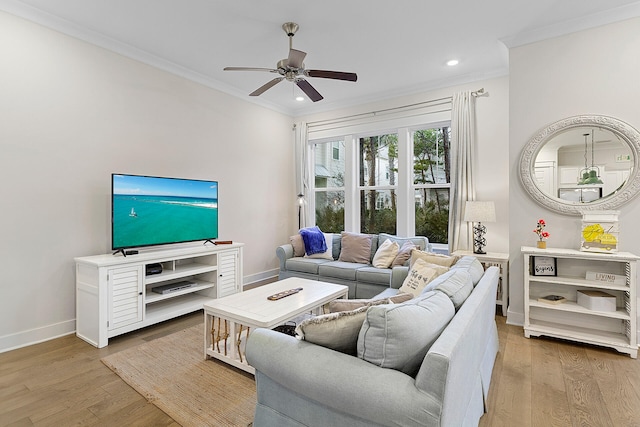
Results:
<point x="260" y="277"/>
<point x="514" y="318"/>
<point x="36" y="335"/>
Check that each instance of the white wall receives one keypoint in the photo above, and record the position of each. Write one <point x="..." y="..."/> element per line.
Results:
<point x="589" y="72"/>
<point x="71" y="114"/>
<point x="492" y="157"/>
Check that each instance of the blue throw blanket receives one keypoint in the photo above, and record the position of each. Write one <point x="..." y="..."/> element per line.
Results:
<point x="314" y="241"/>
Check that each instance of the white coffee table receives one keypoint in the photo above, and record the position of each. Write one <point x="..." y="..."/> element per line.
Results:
<point x="227" y="319"/>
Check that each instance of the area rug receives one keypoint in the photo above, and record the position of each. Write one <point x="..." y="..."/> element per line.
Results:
<point x="171" y="373"/>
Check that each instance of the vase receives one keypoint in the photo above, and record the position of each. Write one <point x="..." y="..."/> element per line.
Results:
<point x="542" y="244"/>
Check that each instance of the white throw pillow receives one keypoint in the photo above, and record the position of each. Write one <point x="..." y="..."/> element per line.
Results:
<point x="420" y="274"/>
<point x="385" y="254"/>
<point x="328" y="254"/>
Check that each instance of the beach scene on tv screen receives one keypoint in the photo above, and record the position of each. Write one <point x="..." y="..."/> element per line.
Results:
<point x="154" y="211"/>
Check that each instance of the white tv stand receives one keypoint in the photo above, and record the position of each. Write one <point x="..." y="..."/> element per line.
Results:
<point x="114" y="296"/>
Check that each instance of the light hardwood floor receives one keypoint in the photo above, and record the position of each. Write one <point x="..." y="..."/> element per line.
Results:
<point x="536" y="382"/>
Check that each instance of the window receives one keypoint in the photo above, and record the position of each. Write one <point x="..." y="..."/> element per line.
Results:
<point x="431" y="183"/>
<point x="395" y="182"/>
<point x="377" y="182"/>
<point x="329" y="186"/>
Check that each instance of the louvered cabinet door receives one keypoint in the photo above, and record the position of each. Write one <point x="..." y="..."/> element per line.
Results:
<point x="228" y="276"/>
<point x="125" y="296"/>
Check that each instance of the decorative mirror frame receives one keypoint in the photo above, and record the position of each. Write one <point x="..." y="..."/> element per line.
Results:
<point x="613" y="201"/>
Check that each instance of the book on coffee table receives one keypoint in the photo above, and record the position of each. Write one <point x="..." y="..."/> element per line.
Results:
<point x="552" y="299"/>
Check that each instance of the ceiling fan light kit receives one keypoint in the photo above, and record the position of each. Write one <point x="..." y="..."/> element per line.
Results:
<point x="292" y="69"/>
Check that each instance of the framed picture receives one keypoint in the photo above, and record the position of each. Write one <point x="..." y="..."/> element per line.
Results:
<point x="543" y="266"/>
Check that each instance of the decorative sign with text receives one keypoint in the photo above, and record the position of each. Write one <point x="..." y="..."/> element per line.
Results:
<point x="612" y="279"/>
<point x="543" y="266"/>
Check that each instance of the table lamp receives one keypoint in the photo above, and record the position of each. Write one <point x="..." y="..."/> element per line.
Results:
<point x="479" y="212"/>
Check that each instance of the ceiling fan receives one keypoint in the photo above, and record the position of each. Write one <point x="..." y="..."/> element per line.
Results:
<point x="292" y="69"/>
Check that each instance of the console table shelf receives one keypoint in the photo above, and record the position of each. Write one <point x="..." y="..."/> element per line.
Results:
<point x="114" y="294"/>
<point x="570" y="320"/>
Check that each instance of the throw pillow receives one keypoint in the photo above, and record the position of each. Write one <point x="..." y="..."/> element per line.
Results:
<point x="352" y="304"/>
<point x="420" y="275"/>
<point x="385" y="254"/>
<point x="399" y="336"/>
<point x="298" y="245"/>
<point x="339" y="305"/>
<point x="314" y="242"/>
<point x="337" y="331"/>
<point x="433" y="258"/>
<point x="404" y="254"/>
<point x="328" y="254"/>
<point x="356" y="247"/>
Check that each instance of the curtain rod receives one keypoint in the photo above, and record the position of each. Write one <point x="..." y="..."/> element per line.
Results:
<point x="408" y="107"/>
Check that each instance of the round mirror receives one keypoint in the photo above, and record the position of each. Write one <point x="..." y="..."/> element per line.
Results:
<point x="582" y="163"/>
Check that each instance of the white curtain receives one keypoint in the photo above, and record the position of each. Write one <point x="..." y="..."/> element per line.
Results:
<point x="463" y="142"/>
<point x="302" y="170"/>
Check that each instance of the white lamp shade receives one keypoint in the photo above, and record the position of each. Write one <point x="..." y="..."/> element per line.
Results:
<point x="475" y="211"/>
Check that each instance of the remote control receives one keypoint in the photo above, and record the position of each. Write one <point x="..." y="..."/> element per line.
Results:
<point x="283" y="294"/>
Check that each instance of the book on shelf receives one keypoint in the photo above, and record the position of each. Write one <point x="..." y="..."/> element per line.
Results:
<point x="552" y="299"/>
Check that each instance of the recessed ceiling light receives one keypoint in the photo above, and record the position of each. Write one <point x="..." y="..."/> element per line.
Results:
<point x="299" y="98"/>
<point x="452" y="62"/>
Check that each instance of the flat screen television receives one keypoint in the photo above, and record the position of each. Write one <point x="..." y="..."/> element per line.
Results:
<point x="150" y="210"/>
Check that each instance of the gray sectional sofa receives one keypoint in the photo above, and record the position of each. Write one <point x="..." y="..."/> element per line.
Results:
<point x="364" y="280"/>
<point x="300" y="383"/>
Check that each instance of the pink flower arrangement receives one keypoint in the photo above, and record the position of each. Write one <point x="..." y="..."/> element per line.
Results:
<point x="540" y="230"/>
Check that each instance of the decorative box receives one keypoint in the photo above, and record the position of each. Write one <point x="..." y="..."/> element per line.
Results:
<point x="600" y="231"/>
<point x="597" y="300"/>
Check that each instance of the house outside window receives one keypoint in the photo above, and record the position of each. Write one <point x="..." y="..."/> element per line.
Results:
<point x="329" y="172"/>
<point x="378" y="210"/>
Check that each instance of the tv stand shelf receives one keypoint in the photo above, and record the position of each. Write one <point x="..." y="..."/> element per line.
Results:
<point x="114" y="295"/>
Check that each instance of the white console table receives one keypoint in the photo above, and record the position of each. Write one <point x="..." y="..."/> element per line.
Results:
<point x="114" y="296"/>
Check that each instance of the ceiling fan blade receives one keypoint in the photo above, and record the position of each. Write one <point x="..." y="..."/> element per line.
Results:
<point x="338" y="75"/>
<point x="249" y="69"/>
<point x="306" y="87"/>
<point x="266" y="86"/>
<point x="295" y="58"/>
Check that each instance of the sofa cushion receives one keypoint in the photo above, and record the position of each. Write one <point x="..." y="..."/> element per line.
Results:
<point x="398" y="336"/>
<point x="328" y="254"/>
<point x="340" y="270"/>
<point x="356" y="247"/>
<point x="298" y="245"/>
<point x="404" y="254"/>
<point x="420" y="275"/>
<point x="385" y="254"/>
<point x="337" y="331"/>
<point x="457" y="286"/>
<point x="378" y="276"/>
<point x="314" y="240"/>
<point x="304" y="265"/>
<point x="472" y="266"/>
<point x="433" y="258"/>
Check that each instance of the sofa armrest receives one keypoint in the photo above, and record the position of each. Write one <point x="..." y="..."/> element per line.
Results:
<point x="398" y="274"/>
<point x="284" y="252"/>
<point x="384" y="396"/>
